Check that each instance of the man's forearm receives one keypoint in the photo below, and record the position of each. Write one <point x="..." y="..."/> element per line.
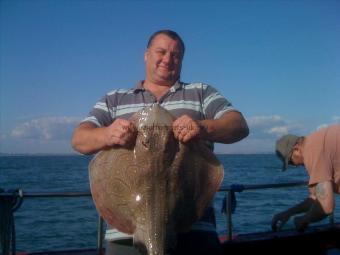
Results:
<point x="315" y="213"/>
<point x="302" y="207"/>
<point x="323" y="204"/>
<point x="230" y="128"/>
<point x="88" y="140"/>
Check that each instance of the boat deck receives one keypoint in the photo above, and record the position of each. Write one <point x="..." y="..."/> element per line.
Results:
<point x="66" y="252"/>
<point x="316" y="240"/>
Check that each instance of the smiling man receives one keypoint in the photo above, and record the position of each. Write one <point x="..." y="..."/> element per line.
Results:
<point x="163" y="60"/>
<point x="200" y="112"/>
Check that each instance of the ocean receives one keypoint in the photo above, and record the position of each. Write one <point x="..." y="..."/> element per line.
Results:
<point x="45" y="224"/>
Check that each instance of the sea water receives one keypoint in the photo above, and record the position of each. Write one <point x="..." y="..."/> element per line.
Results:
<point x="45" y="224"/>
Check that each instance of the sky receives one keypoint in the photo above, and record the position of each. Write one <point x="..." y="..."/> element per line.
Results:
<point x="278" y="62"/>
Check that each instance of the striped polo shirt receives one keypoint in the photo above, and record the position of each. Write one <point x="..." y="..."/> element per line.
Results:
<point x="197" y="100"/>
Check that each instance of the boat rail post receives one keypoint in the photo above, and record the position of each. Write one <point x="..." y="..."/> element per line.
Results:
<point x="100" y="235"/>
<point x="11" y="200"/>
<point x="229" y="216"/>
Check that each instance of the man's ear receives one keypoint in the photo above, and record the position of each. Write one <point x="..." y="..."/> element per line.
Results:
<point x="296" y="147"/>
<point x="146" y="53"/>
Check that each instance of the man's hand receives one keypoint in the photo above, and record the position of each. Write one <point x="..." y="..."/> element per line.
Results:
<point x="185" y="128"/>
<point x="279" y="220"/>
<point x="121" y="132"/>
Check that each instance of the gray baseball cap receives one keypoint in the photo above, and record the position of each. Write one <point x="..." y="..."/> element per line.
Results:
<point x="284" y="148"/>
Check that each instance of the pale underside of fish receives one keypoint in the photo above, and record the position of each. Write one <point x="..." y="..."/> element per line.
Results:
<point x="157" y="188"/>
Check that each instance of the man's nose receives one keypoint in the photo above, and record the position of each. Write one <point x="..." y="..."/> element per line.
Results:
<point x="167" y="58"/>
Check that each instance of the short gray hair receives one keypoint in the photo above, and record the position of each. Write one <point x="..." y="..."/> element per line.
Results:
<point x="172" y="34"/>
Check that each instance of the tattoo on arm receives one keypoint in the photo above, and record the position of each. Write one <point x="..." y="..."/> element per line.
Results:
<point x="320" y="191"/>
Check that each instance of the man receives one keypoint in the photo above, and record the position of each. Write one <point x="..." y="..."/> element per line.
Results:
<point x="200" y="111"/>
<point x="319" y="153"/>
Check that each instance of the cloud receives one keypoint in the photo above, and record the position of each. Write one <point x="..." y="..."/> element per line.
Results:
<point x="2" y="136"/>
<point x="334" y="120"/>
<point x="46" y="129"/>
<point x="273" y="126"/>
<point x="264" y="131"/>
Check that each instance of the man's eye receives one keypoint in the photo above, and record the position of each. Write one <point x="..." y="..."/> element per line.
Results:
<point x="160" y="52"/>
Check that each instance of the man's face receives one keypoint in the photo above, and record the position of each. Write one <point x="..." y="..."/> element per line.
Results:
<point x="296" y="157"/>
<point x="163" y="60"/>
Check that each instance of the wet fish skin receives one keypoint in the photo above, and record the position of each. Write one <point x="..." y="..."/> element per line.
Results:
<point x="159" y="187"/>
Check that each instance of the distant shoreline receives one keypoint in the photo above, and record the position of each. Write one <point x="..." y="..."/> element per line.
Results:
<point x="39" y="154"/>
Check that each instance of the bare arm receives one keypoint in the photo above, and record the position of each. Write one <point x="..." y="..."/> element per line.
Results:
<point x="281" y="218"/>
<point x="89" y="139"/>
<point x="316" y="207"/>
<point x="302" y="207"/>
<point x="325" y="195"/>
<point x="230" y="128"/>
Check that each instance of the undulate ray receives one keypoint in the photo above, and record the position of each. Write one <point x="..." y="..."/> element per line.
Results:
<point x="158" y="188"/>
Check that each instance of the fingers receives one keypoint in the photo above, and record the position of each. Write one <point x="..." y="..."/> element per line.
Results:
<point x="121" y="132"/>
<point x="185" y="128"/>
<point x="277" y="225"/>
<point x="278" y="221"/>
<point x="274" y="224"/>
